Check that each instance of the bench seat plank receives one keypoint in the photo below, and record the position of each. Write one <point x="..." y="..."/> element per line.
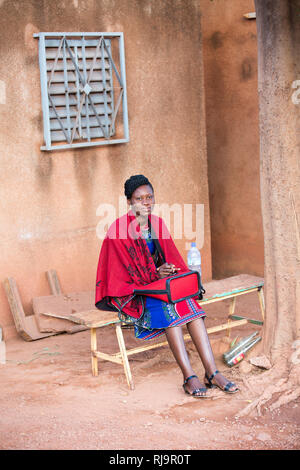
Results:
<point x="231" y="285"/>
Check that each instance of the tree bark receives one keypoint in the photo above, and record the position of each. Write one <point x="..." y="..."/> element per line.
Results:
<point x="278" y="36"/>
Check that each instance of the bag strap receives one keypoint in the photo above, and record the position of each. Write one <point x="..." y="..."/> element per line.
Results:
<point x="156" y="242"/>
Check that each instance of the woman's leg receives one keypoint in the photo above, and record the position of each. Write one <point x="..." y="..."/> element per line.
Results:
<point x="176" y="342"/>
<point x="198" y="333"/>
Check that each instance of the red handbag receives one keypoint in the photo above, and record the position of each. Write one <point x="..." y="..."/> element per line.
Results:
<point x="174" y="288"/>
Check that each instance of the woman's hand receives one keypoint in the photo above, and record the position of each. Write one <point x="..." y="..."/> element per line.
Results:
<point x="166" y="270"/>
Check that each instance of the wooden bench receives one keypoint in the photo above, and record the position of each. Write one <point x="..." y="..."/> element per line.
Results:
<point x="216" y="291"/>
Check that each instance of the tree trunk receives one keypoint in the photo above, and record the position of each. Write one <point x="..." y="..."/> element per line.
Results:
<point x="278" y="35"/>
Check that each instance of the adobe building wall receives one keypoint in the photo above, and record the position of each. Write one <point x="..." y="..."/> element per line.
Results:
<point x="230" y="77"/>
<point x="49" y="199"/>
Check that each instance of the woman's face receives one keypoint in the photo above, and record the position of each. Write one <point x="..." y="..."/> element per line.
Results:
<point x="142" y="201"/>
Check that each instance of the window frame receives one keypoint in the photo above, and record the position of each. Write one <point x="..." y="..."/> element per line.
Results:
<point x="47" y="101"/>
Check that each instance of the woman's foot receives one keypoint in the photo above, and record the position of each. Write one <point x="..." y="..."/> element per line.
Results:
<point x="218" y="380"/>
<point x="193" y="386"/>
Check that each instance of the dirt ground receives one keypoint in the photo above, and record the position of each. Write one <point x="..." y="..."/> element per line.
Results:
<point x="49" y="399"/>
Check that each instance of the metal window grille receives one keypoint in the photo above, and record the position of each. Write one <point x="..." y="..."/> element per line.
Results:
<point x="83" y="89"/>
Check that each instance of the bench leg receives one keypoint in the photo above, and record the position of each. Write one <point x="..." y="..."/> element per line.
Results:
<point x="231" y="312"/>
<point x="124" y="356"/>
<point x="261" y="299"/>
<point x="94" y="349"/>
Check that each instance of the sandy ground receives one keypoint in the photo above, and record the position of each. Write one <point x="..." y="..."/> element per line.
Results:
<point x="50" y="400"/>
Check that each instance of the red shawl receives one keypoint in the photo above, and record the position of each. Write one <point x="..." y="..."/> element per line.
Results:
<point x="125" y="262"/>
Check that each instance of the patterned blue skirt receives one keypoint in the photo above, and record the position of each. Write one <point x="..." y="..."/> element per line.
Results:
<point x="159" y="315"/>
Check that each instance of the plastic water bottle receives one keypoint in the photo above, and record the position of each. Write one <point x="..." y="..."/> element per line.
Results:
<point x="2" y="349"/>
<point x="194" y="259"/>
<point x="194" y="264"/>
<point x="238" y="347"/>
<point x="240" y="355"/>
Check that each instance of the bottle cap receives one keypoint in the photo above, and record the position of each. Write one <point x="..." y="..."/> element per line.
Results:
<point x="193" y="244"/>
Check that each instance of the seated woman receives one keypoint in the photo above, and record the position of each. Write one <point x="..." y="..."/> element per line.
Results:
<point x="136" y="251"/>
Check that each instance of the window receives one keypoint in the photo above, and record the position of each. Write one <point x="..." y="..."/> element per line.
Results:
<point x="83" y="87"/>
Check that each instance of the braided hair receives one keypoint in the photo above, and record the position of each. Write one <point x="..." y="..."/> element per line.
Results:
<point x="135" y="182"/>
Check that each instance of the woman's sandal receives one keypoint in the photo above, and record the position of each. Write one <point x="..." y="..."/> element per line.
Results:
<point x="224" y="389"/>
<point x="197" y="390"/>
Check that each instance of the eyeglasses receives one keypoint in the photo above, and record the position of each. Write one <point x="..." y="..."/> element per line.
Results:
<point x="147" y="198"/>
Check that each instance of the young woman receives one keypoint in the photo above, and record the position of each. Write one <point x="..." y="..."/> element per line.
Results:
<point x="136" y="251"/>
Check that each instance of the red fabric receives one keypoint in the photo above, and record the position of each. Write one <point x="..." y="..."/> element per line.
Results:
<point x="125" y="262"/>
